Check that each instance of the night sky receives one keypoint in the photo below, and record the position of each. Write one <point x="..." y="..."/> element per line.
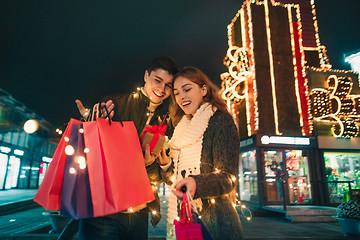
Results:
<point x="53" y="52"/>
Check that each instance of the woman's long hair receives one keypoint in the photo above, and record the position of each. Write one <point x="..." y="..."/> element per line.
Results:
<point x="212" y="96"/>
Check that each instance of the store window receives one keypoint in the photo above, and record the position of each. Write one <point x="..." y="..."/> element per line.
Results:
<point x="34" y="175"/>
<point x="342" y="169"/>
<point x="24" y="174"/>
<point x="13" y="172"/>
<point x="248" y="183"/>
<point x="42" y="171"/>
<point x="3" y="167"/>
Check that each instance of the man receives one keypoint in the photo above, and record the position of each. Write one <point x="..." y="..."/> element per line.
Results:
<point x="147" y="105"/>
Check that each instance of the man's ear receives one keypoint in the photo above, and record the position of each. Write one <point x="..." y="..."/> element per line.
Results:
<point x="146" y="75"/>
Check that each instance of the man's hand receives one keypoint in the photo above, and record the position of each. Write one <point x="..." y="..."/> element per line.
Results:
<point x="110" y="108"/>
<point x="148" y="157"/>
<point x="190" y="185"/>
<point x="83" y="111"/>
<point x="163" y="159"/>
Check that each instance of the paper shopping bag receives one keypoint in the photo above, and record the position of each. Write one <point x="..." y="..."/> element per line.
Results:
<point x="118" y="179"/>
<point x="186" y="228"/>
<point x="76" y="194"/>
<point x="49" y="192"/>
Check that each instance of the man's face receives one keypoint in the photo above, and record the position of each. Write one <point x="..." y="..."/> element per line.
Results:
<point x="158" y="85"/>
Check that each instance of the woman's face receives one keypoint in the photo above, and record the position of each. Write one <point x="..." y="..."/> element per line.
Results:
<point x="188" y="95"/>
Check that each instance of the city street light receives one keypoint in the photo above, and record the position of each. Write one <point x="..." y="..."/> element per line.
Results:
<point x="31" y="126"/>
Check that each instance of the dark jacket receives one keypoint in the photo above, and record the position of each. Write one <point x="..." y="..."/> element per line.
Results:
<point x="133" y="107"/>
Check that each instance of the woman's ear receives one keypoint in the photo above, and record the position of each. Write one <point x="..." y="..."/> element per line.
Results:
<point x="204" y="90"/>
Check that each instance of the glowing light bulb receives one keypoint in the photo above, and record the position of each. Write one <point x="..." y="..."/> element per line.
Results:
<point x="60" y="132"/>
<point x="131" y="210"/>
<point x="72" y="170"/>
<point x="81" y="130"/>
<point x="212" y="201"/>
<point x="248" y="218"/>
<point x="86" y="150"/>
<point x="66" y="139"/>
<point x="81" y="160"/>
<point x="153" y="212"/>
<point x="82" y="166"/>
<point x="69" y="150"/>
<point x="31" y="126"/>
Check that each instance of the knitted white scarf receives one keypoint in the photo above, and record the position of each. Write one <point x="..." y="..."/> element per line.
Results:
<point x="185" y="150"/>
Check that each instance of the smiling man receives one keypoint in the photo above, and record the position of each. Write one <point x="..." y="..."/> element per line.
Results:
<point x="148" y="105"/>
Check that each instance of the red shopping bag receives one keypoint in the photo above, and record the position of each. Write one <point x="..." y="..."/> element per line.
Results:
<point x="185" y="228"/>
<point x="49" y="192"/>
<point x="117" y="174"/>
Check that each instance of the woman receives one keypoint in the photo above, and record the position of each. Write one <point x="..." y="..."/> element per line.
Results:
<point x="205" y="153"/>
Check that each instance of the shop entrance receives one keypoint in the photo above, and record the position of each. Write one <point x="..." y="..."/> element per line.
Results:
<point x="286" y="177"/>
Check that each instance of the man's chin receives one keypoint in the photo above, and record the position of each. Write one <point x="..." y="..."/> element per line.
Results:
<point x="156" y="100"/>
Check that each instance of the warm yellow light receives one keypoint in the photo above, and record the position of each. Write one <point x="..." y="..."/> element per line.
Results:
<point x="82" y="166"/>
<point x="212" y="201"/>
<point x="31" y="126"/>
<point x="66" y="139"/>
<point x="81" y="130"/>
<point x="153" y="212"/>
<point x="72" y="170"/>
<point x="81" y="160"/>
<point x="131" y="210"/>
<point x="86" y="150"/>
<point x="69" y="150"/>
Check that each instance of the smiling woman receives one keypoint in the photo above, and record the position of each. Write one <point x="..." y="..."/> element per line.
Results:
<point x="204" y="152"/>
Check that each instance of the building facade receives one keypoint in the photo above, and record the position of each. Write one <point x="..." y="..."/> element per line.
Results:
<point x="297" y="117"/>
<point x="24" y="157"/>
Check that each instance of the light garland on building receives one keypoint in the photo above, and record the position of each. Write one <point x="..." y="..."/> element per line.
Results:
<point x="337" y="106"/>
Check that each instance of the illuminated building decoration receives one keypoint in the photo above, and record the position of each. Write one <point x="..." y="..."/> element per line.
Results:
<point x="274" y="50"/>
<point x="336" y="105"/>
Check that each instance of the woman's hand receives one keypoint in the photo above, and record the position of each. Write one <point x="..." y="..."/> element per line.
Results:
<point x="190" y="185"/>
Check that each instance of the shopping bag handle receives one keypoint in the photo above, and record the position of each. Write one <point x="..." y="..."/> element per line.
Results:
<point x="107" y="113"/>
<point x="185" y="210"/>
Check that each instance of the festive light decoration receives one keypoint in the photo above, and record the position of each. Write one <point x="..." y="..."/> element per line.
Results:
<point x="239" y="83"/>
<point x="336" y="105"/>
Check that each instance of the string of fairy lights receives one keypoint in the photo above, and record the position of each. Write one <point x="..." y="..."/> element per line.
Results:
<point x="81" y="161"/>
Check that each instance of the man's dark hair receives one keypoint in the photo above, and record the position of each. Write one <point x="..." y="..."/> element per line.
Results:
<point x="164" y="62"/>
